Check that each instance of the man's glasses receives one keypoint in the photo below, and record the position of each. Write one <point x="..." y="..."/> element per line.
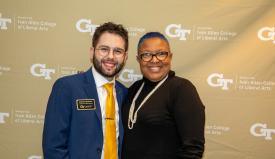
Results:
<point x="105" y="50"/>
<point x="148" y="56"/>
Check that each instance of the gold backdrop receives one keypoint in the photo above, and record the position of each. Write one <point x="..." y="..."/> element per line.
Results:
<point x="226" y="48"/>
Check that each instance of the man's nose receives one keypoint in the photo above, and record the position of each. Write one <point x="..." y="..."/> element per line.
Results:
<point x="111" y="54"/>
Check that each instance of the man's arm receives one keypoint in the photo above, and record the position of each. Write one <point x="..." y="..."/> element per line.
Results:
<point x="57" y="123"/>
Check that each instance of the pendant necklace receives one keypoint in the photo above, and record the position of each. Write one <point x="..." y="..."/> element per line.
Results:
<point x="133" y="116"/>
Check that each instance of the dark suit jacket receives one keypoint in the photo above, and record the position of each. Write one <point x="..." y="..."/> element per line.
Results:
<point x="71" y="132"/>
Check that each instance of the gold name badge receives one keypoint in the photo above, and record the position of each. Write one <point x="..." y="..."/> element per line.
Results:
<point x="85" y="104"/>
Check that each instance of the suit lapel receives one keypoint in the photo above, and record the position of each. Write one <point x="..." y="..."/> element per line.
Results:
<point x="119" y="96"/>
<point x="91" y="91"/>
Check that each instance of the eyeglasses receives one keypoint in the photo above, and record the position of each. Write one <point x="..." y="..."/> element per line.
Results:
<point x="148" y="56"/>
<point x="105" y="50"/>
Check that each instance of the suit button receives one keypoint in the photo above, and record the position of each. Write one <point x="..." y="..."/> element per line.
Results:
<point x="98" y="150"/>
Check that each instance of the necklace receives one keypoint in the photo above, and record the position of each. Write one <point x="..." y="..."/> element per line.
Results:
<point x="133" y="116"/>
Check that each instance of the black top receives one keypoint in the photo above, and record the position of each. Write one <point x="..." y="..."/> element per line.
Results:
<point x="170" y="124"/>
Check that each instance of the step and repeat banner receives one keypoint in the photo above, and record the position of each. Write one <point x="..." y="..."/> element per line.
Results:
<point x="226" y="48"/>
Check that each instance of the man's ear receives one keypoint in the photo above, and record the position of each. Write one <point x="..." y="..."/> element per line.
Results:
<point x="126" y="56"/>
<point x="92" y="51"/>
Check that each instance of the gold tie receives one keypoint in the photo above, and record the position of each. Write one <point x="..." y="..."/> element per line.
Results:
<point x="110" y="145"/>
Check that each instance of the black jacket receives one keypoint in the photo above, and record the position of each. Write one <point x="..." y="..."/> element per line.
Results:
<point x="170" y="124"/>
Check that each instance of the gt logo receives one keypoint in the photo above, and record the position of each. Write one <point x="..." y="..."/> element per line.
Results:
<point x="261" y="130"/>
<point x="175" y="31"/>
<point x="267" y="34"/>
<point x="127" y="75"/>
<point x="39" y="70"/>
<point x="35" y="157"/>
<point x="3" y="22"/>
<point x="2" y="117"/>
<point x="85" y="26"/>
<point x="217" y="80"/>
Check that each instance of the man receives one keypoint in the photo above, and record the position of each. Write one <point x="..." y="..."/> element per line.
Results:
<point x="163" y="115"/>
<point x="83" y="120"/>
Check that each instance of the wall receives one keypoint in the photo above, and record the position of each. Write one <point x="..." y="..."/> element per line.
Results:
<point x="226" y="48"/>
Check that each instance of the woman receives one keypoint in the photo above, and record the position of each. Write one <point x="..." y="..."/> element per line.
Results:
<point x="163" y="115"/>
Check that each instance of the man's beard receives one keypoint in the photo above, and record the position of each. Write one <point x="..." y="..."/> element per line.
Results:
<point x="98" y="67"/>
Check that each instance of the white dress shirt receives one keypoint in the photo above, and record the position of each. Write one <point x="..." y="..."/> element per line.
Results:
<point x="102" y="95"/>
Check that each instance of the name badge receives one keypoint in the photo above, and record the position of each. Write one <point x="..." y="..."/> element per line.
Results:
<point x="85" y="104"/>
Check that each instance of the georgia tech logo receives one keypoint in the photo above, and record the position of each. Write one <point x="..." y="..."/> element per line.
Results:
<point x="35" y="157"/>
<point x="40" y="70"/>
<point x="261" y="130"/>
<point x="217" y="80"/>
<point x="127" y="75"/>
<point x="85" y="26"/>
<point x="175" y="31"/>
<point x="267" y="34"/>
<point x="3" y="22"/>
<point x="2" y="117"/>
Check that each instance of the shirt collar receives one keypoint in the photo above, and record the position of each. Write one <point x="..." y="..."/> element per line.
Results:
<point x="99" y="79"/>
